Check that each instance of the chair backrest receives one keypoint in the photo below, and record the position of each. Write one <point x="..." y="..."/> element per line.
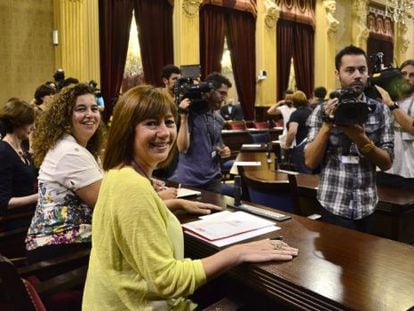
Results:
<point x="260" y="138"/>
<point x="275" y="195"/>
<point x="16" y="293"/>
<point x="236" y="125"/>
<point x="261" y="125"/>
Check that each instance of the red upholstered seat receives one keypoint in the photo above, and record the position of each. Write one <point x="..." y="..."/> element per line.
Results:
<point x="261" y="125"/>
<point x="237" y="125"/>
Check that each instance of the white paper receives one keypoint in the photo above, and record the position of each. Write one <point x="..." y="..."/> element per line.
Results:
<point x="227" y="225"/>
<point x="216" y="215"/>
<point x="251" y="145"/>
<point x="247" y="163"/>
<point x="185" y="192"/>
<point x="237" y="238"/>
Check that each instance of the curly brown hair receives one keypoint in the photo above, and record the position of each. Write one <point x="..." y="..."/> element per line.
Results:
<point x="56" y="121"/>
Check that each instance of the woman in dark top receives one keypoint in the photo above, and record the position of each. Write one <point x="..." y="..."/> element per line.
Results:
<point x="297" y="130"/>
<point x="17" y="173"/>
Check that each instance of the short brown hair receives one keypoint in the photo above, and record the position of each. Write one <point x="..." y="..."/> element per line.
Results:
<point x="298" y="99"/>
<point x="16" y="113"/>
<point x="139" y="103"/>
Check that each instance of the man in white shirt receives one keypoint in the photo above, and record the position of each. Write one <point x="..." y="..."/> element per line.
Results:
<point x="401" y="174"/>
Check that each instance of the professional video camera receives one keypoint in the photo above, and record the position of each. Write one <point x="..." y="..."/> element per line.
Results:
<point x="350" y="109"/>
<point x="189" y="87"/>
<point x="389" y="78"/>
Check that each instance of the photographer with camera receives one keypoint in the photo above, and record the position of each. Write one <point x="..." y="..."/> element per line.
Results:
<point x="401" y="174"/>
<point x="348" y="137"/>
<point x="199" y="140"/>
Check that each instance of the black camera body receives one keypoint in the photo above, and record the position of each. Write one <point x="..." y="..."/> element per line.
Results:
<point x="389" y="78"/>
<point x="189" y="87"/>
<point x="350" y="109"/>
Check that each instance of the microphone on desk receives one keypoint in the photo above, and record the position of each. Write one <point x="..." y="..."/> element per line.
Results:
<point x="237" y="190"/>
<point x="269" y="145"/>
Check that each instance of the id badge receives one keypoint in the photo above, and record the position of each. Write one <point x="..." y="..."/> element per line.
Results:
<point x="349" y="159"/>
<point x="213" y="154"/>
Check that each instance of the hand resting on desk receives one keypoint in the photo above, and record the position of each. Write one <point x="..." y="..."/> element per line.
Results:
<point x="192" y="207"/>
<point x="258" y="251"/>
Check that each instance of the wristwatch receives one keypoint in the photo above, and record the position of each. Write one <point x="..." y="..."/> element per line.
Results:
<point x="394" y="106"/>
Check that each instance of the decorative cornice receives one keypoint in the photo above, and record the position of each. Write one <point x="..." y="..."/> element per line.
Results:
<point x="272" y="13"/>
<point x="192" y="7"/>
<point x="333" y="23"/>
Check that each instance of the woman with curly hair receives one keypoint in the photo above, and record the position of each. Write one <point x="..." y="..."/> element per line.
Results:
<point x="66" y="144"/>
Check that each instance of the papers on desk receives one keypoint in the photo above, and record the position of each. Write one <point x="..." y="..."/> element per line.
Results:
<point x="251" y="145"/>
<point x="247" y="163"/>
<point x="226" y="227"/>
<point x="184" y="192"/>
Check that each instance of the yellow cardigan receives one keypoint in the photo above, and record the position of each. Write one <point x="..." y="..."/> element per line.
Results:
<point x="137" y="252"/>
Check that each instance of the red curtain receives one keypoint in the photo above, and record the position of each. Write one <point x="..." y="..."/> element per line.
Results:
<point x="114" y="24"/>
<point x="155" y="34"/>
<point x="285" y="32"/>
<point x="303" y="58"/>
<point x="241" y="40"/>
<point x="212" y="31"/>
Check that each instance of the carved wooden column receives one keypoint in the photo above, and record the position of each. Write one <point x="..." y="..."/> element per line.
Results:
<point x="186" y="32"/>
<point x="325" y="43"/>
<point x="267" y="16"/>
<point x="401" y="43"/>
<point x="360" y="30"/>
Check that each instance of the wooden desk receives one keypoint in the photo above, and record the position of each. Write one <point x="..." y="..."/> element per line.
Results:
<point x="235" y="138"/>
<point x="337" y="268"/>
<point x="394" y="216"/>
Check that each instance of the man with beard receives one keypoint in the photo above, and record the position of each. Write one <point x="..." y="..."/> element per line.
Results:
<point x="401" y="174"/>
<point x="199" y="140"/>
<point x="169" y="75"/>
<point x="348" y="155"/>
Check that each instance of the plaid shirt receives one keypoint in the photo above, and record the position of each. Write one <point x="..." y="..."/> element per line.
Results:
<point x="346" y="189"/>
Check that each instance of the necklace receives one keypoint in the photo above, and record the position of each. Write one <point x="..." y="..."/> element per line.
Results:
<point x="16" y="148"/>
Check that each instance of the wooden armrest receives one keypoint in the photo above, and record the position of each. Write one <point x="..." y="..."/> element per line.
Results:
<point x="63" y="281"/>
<point x="59" y="263"/>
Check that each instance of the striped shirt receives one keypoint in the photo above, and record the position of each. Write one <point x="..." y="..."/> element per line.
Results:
<point x="349" y="189"/>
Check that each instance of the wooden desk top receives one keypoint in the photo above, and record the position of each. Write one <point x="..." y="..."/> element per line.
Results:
<point x="336" y="269"/>
<point x="266" y="173"/>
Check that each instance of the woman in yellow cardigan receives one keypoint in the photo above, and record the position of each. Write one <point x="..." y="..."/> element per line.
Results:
<point x="137" y="252"/>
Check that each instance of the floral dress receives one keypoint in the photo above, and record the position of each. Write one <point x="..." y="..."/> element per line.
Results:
<point x="61" y="217"/>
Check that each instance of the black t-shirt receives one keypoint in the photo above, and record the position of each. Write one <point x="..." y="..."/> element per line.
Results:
<point x="17" y="179"/>
<point x="300" y="116"/>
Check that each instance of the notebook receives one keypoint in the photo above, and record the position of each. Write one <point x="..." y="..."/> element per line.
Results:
<point x="184" y="192"/>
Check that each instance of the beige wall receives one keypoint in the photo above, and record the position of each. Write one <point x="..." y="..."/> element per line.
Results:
<point x="28" y="58"/>
<point x="26" y="50"/>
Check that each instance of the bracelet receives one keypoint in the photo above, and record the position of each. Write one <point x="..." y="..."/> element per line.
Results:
<point x="367" y="147"/>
